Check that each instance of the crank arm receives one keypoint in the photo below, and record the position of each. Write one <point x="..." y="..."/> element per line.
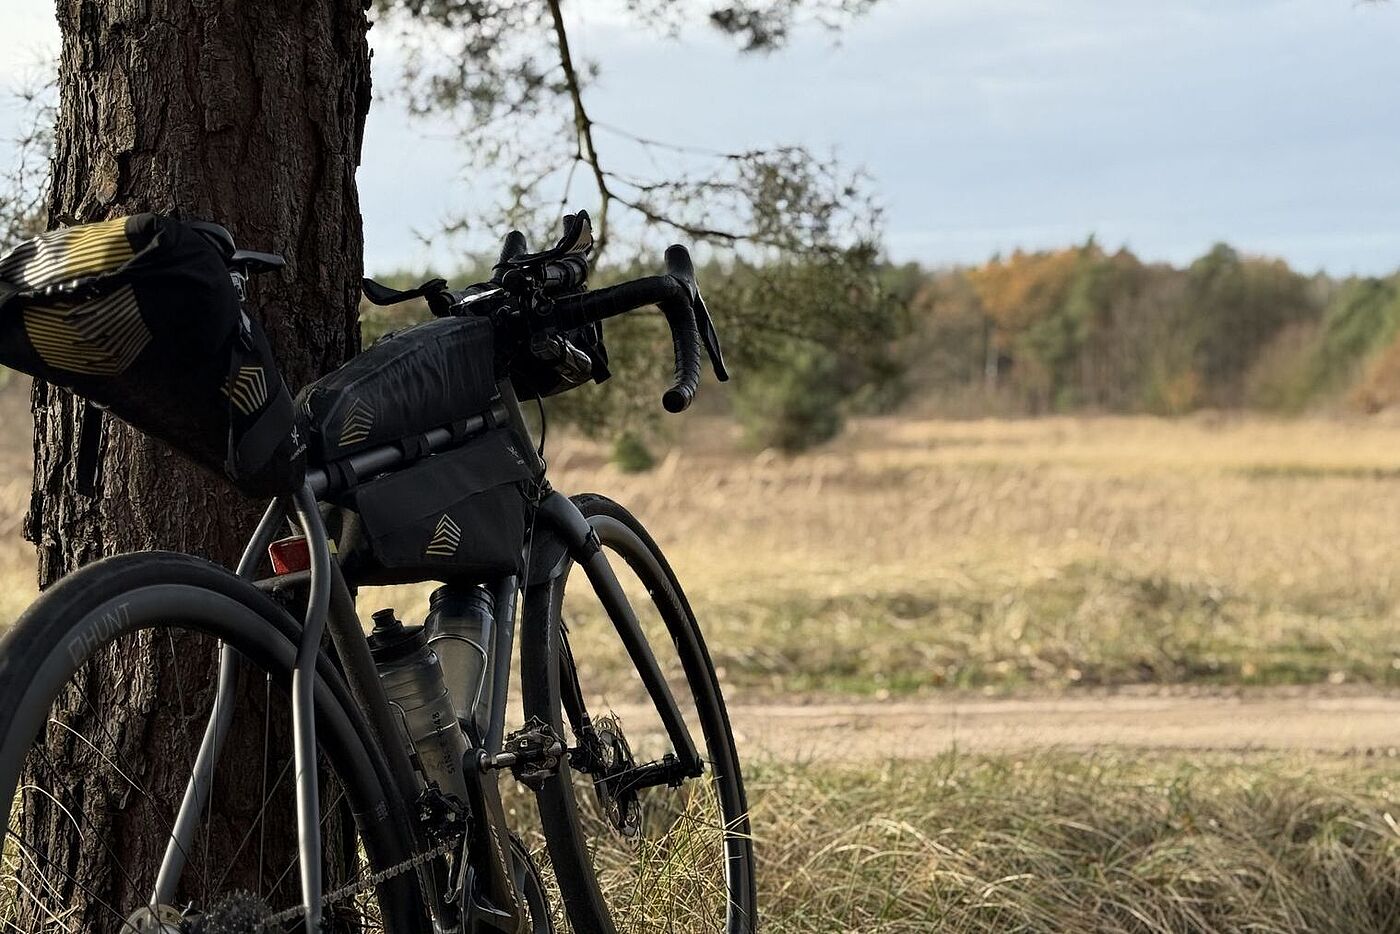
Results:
<point x="670" y="771"/>
<point x="487" y="881"/>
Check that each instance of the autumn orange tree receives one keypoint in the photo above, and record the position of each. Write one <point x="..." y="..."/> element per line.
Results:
<point x="1080" y="327"/>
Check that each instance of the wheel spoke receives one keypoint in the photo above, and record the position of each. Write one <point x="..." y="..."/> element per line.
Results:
<point x="156" y="805"/>
<point x="77" y="825"/>
<point x="104" y="757"/>
<point x="94" y="811"/>
<point x="325" y="816"/>
<point x="259" y="822"/>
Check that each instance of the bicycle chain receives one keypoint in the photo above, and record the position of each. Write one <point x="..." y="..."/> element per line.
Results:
<point x="364" y="885"/>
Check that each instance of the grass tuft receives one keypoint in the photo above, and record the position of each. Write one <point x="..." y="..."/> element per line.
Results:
<point x="1059" y="843"/>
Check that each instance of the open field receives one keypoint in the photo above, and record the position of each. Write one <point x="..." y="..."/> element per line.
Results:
<point x="1051" y="554"/>
<point x="998" y="556"/>
<point x="1170" y="647"/>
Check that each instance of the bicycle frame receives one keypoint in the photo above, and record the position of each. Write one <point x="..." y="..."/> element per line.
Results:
<point x="484" y="888"/>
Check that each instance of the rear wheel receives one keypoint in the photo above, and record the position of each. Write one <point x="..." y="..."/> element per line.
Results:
<point x="91" y="803"/>
<point x="634" y="859"/>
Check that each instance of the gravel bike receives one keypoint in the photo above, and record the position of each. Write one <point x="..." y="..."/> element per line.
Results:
<point x="372" y="768"/>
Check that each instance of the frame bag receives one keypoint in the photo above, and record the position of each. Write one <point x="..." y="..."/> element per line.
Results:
<point x="139" y="315"/>
<point x="459" y="515"/>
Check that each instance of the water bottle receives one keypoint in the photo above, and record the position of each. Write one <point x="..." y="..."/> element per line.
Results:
<point x="412" y="680"/>
<point x="459" y="631"/>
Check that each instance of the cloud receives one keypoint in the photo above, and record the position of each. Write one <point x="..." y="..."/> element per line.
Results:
<point x="988" y="124"/>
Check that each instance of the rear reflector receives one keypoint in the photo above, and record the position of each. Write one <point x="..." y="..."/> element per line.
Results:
<point x="289" y="555"/>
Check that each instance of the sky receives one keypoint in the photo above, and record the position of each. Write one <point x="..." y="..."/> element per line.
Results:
<point x="986" y="125"/>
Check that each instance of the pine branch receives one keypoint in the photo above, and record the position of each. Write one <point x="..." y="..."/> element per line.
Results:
<point x="583" y="126"/>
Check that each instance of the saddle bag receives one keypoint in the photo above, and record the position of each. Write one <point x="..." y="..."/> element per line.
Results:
<point x="455" y="516"/>
<point x="139" y="316"/>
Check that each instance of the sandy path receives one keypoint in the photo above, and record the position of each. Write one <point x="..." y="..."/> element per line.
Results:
<point x="921" y="729"/>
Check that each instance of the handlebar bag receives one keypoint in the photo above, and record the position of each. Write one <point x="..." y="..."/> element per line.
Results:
<point x="427" y="376"/>
<point x="455" y="516"/>
<point x="139" y="316"/>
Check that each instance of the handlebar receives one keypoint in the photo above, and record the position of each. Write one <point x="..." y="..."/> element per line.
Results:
<point x="678" y="296"/>
<point x="550" y="284"/>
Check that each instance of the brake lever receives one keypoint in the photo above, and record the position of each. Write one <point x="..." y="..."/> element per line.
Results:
<point x="513" y="246"/>
<point x="710" y="338"/>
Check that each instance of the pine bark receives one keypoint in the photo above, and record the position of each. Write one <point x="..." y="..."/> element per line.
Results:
<point x="249" y="113"/>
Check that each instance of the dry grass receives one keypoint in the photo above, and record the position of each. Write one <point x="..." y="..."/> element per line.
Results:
<point x="1051" y="553"/>
<point x="1049" y="842"/>
<point x="920" y="554"/>
<point x="1105" y="844"/>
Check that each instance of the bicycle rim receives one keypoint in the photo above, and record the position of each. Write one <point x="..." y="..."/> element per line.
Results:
<point x="117" y="656"/>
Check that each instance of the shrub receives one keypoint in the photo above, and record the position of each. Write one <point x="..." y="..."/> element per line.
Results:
<point x="631" y="454"/>
<point x="794" y="401"/>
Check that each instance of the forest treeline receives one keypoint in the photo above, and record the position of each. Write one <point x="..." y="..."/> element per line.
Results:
<point x="1079" y="329"/>
<point x="1085" y="329"/>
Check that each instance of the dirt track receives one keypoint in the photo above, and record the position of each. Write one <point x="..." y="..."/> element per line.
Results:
<point x="1336" y="723"/>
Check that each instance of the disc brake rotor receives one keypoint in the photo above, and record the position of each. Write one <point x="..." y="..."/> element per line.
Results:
<point x="623" y="811"/>
<point x="160" y="919"/>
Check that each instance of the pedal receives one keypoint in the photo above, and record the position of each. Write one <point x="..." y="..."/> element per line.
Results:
<point x="532" y="753"/>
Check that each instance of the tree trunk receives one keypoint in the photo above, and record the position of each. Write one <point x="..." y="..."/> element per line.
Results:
<point x="249" y="113"/>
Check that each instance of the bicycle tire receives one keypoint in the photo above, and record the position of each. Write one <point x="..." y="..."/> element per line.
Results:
<point x="118" y="597"/>
<point x="541" y="665"/>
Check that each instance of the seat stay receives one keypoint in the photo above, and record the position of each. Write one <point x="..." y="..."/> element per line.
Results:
<point x="216" y="732"/>
<point x="308" y="513"/>
<point x="308" y="804"/>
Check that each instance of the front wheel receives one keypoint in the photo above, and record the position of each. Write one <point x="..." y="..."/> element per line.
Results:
<point x="628" y="858"/>
<point x="121" y="652"/>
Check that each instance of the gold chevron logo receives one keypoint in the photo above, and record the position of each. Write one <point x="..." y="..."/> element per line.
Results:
<point x="63" y="255"/>
<point x="358" y="423"/>
<point x="101" y="337"/>
<point x="447" y="538"/>
<point x="248" y="389"/>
